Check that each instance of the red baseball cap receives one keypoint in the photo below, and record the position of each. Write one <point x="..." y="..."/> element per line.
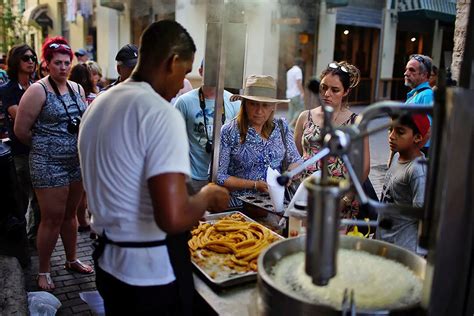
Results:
<point x="422" y="122"/>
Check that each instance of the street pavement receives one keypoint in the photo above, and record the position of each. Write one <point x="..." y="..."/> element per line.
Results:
<point x="379" y="151"/>
<point x="69" y="285"/>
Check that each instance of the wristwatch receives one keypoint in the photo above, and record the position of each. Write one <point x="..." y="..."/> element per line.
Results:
<point x="347" y="201"/>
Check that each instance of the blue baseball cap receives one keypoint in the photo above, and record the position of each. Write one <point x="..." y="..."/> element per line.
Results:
<point x="80" y="52"/>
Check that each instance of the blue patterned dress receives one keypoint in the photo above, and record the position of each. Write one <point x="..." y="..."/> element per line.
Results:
<point x="251" y="159"/>
<point x="54" y="159"/>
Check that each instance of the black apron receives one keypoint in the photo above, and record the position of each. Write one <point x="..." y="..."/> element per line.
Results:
<point x="178" y="251"/>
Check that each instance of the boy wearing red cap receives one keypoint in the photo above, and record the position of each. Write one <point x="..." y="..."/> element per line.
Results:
<point x="405" y="180"/>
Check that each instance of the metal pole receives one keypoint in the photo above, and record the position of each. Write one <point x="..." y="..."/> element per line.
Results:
<point x="380" y="55"/>
<point x="220" y="74"/>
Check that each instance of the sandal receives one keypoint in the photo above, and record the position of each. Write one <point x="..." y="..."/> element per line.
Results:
<point x="78" y="266"/>
<point x="49" y="281"/>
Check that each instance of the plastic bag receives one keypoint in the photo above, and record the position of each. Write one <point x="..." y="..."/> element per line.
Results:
<point x="277" y="192"/>
<point x="94" y="300"/>
<point x="42" y="304"/>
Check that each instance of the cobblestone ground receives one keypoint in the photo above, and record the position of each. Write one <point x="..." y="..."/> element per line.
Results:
<point x="68" y="284"/>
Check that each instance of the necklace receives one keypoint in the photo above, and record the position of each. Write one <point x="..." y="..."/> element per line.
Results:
<point x="334" y="120"/>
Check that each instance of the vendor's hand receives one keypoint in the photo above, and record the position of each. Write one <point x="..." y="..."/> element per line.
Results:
<point x="218" y="197"/>
<point x="262" y="186"/>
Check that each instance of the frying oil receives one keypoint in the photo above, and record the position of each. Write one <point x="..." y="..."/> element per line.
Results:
<point x="378" y="283"/>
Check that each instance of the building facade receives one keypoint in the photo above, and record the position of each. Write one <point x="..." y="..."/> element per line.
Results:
<point x="375" y="35"/>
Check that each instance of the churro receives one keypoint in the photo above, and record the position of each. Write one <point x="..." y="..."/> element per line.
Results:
<point x="234" y="237"/>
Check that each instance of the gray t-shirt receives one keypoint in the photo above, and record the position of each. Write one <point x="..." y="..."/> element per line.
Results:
<point x="404" y="183"/>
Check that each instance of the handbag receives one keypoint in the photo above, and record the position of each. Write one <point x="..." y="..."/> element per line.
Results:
<point x="290" y="189"/>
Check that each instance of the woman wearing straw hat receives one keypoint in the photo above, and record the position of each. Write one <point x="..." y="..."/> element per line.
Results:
<point x="254" y="141"/>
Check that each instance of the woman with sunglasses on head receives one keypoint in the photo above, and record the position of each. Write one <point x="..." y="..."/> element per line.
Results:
<point x="21" y="60"/>
<point x="48" y="120"/>
<point x="337" y="81"/>
<point x="254" y="141"/>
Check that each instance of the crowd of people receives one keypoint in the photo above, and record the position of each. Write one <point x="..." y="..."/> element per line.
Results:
<point x="124" y="153"/>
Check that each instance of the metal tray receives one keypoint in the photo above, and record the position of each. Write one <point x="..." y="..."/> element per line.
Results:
<point x="259" y="207"/>
<point x="236" y="279"/>
<point x="262" y="201"/>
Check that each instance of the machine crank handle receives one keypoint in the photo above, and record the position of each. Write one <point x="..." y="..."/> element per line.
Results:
<point x="396" y="209"/>
<point x="358" y="222"/>
<point x="287" y="176"/>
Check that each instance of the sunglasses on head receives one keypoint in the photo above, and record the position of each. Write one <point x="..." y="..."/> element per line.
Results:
<point x="421" y="60"/>
<point x="26" y="58"/>
<point x="336" y="66"/>
<point x="56" y="46"/>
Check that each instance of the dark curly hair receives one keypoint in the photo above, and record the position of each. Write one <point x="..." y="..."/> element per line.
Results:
<point x="14" y="58"/>
<point x="347" y="73"/>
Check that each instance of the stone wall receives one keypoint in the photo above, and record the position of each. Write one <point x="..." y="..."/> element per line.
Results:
<point x="13" y="300"/>
<point x="460" y="28"/>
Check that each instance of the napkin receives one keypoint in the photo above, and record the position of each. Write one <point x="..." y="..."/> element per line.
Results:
<point x="301" y="193"/>
<point x="277" y="191"/>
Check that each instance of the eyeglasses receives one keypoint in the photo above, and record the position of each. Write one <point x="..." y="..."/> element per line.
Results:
<point x="56" y="46"/>
<point x="26" y="58"/>
<point x="336" y="66"/>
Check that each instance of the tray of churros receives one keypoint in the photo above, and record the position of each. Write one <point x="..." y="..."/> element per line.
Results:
<point x="225" y="247"/>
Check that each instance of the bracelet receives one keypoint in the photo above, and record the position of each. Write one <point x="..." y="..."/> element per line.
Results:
<point x="255" y="185"/>
<point x="347" y="201"/>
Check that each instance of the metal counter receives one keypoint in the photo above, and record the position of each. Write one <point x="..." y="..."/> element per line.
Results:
<point x="238" y="300"/>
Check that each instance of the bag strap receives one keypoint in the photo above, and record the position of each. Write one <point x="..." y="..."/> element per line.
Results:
<point x="418" y="91"/>
<point x="44" y="87"/>
<point x="423" y="89"/>
<point x="353" y="117"/>
<point x="284" y="163"/>
<point x="59" y="96"/>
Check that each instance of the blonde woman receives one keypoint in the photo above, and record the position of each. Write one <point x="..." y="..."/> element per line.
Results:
<point x="96" y="73"/>
<point x="253" y="141"/>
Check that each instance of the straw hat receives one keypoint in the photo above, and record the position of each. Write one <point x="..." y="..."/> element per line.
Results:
<point x="260" y="89"/>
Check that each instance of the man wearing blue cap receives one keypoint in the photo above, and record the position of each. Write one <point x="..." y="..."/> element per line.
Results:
<point x="81" y="55"/>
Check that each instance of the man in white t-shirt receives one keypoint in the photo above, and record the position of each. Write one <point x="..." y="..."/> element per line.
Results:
<point x="295" y="91"/>
<point x="134" y="157"/>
